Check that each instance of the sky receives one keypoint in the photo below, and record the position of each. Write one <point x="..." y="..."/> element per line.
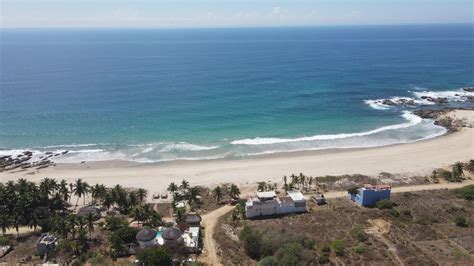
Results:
<point x="229" y="13"/>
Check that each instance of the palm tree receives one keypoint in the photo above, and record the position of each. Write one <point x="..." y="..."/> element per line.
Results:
<point x="302" y="179"/>
<point x="217" y="192"/>
<point x="234" y="191"/>
<point x="141" y="194"/>
<point x="172" y="188"/>
<point x="5" y="222"/>
<point x="80" y="190"/>
<point x="458" y="170"/>
<point x="285" y="183"/>
<point x="139" y="214"/>
<point x="63" y="190"/>
<point x="193" y="195"/>
<point x="184" y="184"/>
<point x="90" y="224"/>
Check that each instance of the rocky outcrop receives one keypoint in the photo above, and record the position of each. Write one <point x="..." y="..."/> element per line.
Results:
<point x="441" y="119"/>
<point x="468" y="89"/>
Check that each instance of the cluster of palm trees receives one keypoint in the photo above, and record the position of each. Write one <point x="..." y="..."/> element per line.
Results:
<point x="26" y="203"/>
<point x="184" y="192"/>
<point x="300" y="181"/>
<point x="233" y="191"/>
<point x="455" y="175"/>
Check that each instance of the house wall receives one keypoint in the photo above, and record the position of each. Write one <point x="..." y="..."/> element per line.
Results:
<point x="368" y="198"/>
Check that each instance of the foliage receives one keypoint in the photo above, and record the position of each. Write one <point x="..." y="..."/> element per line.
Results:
<point x="353" y="191"/>
<point x="360" y="249"/>
<point x="268" y="261"/>
<point x="4" y="241"/>
<point x="383" y="204"/>
<point x="338" y="247"/>
<point x="359" y="233"/>
<point x="460" y="221"/>
<point x="466" y="192"/>
<point x="267" y="245"/>
<point x="217" y="193"/>
<point x="113" y="223"/>
<point x="155" y="256"/>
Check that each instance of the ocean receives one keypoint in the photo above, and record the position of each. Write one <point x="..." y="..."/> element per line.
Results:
<point x="152" y="95"/>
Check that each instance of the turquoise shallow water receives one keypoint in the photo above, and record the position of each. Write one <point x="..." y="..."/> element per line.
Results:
<point x="156" y="95"/>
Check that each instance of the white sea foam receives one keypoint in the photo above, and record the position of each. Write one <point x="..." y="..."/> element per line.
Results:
<point x="421" y="98"/>
<point x="411" y="118"/>
<point x="184" y="146"/>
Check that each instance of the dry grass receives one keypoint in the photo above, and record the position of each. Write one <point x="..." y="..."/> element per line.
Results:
<point x="421" y="231"/>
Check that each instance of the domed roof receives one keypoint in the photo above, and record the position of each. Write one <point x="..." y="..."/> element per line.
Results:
<point x="171" y="233"/>
<point x="146" y="234"/>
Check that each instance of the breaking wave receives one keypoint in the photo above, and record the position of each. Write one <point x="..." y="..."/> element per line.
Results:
<point x="422" y="98"/>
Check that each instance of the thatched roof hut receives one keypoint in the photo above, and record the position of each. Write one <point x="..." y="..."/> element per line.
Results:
<point x="146" y="234"/>
<point x="192" y="219"/>
<point x="84" y="212"/>
<point x="171" y="234"/>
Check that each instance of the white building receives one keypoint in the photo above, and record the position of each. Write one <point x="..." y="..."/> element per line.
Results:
<point x="191" y="239"/>
<point x="267" y="203"/>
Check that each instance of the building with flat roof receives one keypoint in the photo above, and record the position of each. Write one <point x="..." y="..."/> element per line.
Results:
<point x="368" y="195"/>
<point x="267" y="203"/>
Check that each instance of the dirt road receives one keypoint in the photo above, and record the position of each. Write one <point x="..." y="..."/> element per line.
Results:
<point x="209" y="222"/>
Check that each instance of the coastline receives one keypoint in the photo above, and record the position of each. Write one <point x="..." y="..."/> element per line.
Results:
<point x="417" y="158"/>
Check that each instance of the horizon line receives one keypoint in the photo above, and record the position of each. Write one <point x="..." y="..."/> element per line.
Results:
<point x="231" y="27"/>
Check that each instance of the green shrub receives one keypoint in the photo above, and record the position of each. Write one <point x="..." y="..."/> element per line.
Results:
<point x="406" y="212"/>
<point x="268" y="261"/>
<point x="353" y="190"/>
<point x="359" y="233"/>
<point x="113" y="223"/>
<point x="360" y="249"/>
<point x="324" y="259"/>
<point x="4" y="241"/>
<point x="155" y="256"/>
<point x="338" y="247"/>
<point x="466" y="192"/>
<point x="460" y="220"/>
<point x="383" y="204"/>
<point x="325" y="249"/>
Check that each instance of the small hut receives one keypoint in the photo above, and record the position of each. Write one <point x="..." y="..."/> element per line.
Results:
<point x="84" y="212"/>
<point x="192" y="219"/>
<point x="172" y="236"/>
<point x="46" y="244"/>
<point x="147" y="237"/>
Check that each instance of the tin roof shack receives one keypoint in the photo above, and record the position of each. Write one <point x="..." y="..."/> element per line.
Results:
<point x="368" y="195"/>
<point x="267" y="203"/>
<point x="147" y="238"/>
<point x="46" y="244"/>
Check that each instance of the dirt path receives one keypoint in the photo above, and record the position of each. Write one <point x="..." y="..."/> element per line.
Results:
<point x="209" y="222"/>
<point x="379" y="229"/>
<point x="340" y="194"/>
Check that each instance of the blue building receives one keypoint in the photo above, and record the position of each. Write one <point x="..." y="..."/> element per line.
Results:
<point x="369" y="194"/>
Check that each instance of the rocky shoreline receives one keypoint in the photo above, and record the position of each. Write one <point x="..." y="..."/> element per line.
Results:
<point x="441" y="119"/>
<point x="25" y="161"/>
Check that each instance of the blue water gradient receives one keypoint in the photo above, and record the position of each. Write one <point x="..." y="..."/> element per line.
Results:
<point x="165" y="94"/>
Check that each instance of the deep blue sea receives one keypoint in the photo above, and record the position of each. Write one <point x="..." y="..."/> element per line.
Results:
<point x="164" y="94"/>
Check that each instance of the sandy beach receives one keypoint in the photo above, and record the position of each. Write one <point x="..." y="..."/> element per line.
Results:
<point x="417" y="158"/>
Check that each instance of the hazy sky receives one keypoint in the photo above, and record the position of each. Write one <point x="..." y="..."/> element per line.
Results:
<point x="225" y="13"/>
